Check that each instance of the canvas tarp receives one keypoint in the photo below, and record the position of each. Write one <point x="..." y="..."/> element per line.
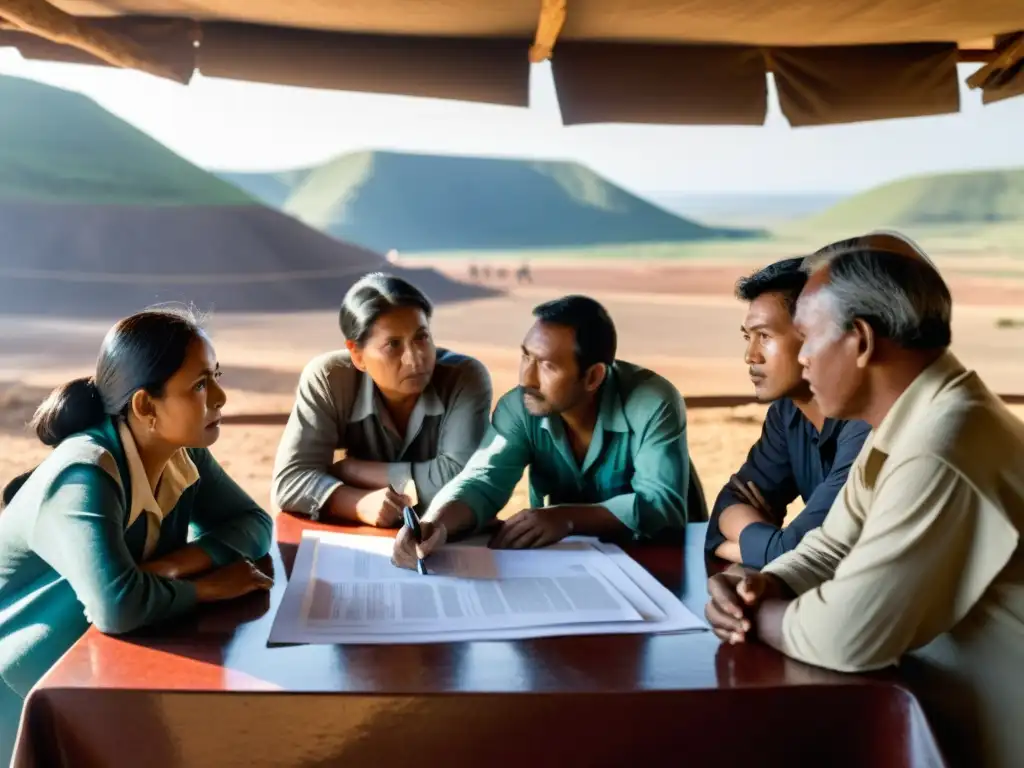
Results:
<point x="750" y="22"/>
<point x="658" y="61"/>
<point x="1003" y="76"/>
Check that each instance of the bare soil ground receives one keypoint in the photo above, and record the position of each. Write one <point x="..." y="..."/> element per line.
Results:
<point x="680" y="320"/>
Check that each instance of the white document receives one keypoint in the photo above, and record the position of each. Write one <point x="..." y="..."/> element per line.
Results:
<point x="343" y="589"/>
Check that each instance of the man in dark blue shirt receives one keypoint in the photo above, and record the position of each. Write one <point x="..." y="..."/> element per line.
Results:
<point x="800" y="453"/>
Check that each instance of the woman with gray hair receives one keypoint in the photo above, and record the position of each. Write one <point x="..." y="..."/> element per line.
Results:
<point x="407" y="414"/>
<point x="920" y="556"/>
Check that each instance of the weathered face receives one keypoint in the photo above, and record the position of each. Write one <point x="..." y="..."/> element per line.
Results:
<point x="549" y="376"/>
<point x="187" y="414"/>
<point x="772" y="348"/>
<point x="833" y="359"/>
<point x="399" y="354"/>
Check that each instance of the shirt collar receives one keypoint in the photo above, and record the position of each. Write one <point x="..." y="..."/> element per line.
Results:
<point x="612" y="417"/>
<point x="368" y="402"/>
<point x="178" y="475"/>
<point x="916" y="398"/>
<point x="366" y="399"/>
<point x="797" y="418"/>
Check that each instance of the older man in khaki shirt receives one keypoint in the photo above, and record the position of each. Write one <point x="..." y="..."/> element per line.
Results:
<point x="920" y="554"/>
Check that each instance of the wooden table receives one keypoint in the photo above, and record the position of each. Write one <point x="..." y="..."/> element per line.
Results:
<point x="209" y="691"/>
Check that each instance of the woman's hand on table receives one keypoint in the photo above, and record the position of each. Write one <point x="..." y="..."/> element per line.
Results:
<point x="231" y="581"/>
<point x="190" y="560"/>
<point x="383" y="508"/>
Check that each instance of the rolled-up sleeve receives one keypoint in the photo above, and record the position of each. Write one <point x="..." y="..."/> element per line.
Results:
<point x="768" y="466"/>
<point x="490" y="476"/>
<point x="915" y="569"/>
<point x="661" y="472"/>
<point x="302" y="482"/>
<point x="462" y="430"/>
<point x="760" y="543"/>
<point x="227" y="523"/>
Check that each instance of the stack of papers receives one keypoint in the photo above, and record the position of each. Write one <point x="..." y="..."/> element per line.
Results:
<point x="344" y="589"/>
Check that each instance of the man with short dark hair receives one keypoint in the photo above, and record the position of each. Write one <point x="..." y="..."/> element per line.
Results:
<point x="919" y="562"/>
<point x="800" y="452"/>
<point x="605" y="442"/>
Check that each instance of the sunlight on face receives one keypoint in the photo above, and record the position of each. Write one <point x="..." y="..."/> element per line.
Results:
<point x="816" y="322"/>
<point x="188" y="413"/>
<point x="549" y="376"/>
<point x="399" y="354"/>
<point x="829" y="355"/>
<point x="771" y="347"/>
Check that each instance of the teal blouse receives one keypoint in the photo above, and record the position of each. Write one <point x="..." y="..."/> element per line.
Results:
<point x="68" y="555"/>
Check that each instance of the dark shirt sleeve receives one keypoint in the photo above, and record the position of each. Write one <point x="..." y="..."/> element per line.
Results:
<point x="767" y="466"/>
<point x="760" y="543"/>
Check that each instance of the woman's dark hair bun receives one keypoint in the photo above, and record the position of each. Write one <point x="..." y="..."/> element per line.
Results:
<point x="140" y="352"/>
<point x="70" y="408"/>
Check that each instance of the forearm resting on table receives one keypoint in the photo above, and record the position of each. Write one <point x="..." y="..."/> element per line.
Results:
<point x="457" y="517"/>
<point x="734" y="519"/>
<point x="730" y="550"/>
<point x="190" y="560"/>
<point x="343" y="503"/>
<point x="768" y="622"/>
<point x="371" y="475"/>
<point x="590" y="519"/>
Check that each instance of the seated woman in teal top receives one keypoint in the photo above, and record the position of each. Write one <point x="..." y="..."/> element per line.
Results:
<point x="130" y="520"/>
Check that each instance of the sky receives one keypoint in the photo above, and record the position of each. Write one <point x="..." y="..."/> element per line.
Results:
<point x="227" y="125"/>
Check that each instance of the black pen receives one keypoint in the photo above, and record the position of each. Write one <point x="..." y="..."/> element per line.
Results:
<point x="412" y="522"/>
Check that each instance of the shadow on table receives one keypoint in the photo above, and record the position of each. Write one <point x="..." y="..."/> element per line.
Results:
<point x="89" y="728"/>
<point x="857" y="725"/>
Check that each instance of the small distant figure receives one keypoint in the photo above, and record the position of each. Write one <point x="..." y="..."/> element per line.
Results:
<point x="474" y="273"/>
<point x="502" y="273"/>
<point x="392" y="256"/>
<point x="486" y="272"/>
<point x="523" y="274"/>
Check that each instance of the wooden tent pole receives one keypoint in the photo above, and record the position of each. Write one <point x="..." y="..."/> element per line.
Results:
<point x="42" y="19"/>
<point x="549" y="25"/>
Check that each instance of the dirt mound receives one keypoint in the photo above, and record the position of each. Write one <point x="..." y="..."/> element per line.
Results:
<point x="420" y="203"/>
<point x="105" y="260"/>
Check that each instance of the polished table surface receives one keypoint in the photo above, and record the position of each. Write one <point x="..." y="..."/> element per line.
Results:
<point x="634" y="690"/>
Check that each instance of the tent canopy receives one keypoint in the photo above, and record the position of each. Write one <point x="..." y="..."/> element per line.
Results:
<point x="652" y="61"/>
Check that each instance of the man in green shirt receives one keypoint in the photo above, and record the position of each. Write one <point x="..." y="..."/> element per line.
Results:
<point x="605" y="442"/>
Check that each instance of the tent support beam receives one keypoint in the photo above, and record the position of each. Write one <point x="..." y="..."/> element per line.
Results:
<point x="549" y="25"/>
<point x="40" y="18"/>
<point x="1006" y="56"/>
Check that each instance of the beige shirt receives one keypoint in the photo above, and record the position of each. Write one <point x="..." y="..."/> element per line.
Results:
<point x="179" y="474"/>
<point x="921" y="553"/>
<point x="338" y="407"/>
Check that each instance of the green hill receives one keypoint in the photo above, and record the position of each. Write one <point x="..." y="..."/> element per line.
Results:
<point x="977" y="198"/>
<point x="272" y="188"/>
<point x="98" y="219"/>
<point x="423" y="203"/>
<point x="60" y="146"/>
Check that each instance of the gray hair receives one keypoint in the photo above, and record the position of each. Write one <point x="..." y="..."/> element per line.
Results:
<point x="888" y="282"/>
